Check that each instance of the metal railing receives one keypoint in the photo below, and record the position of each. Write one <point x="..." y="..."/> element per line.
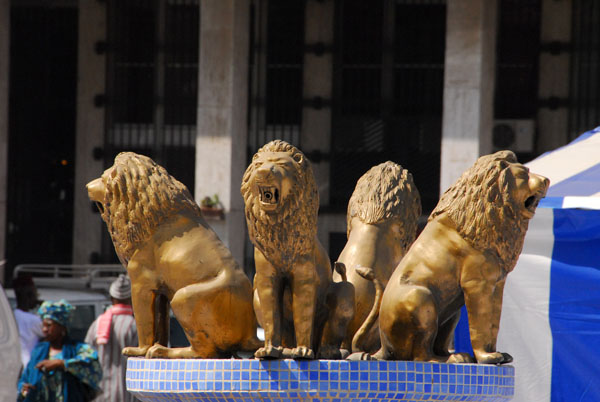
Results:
<point x="73" y="276"/>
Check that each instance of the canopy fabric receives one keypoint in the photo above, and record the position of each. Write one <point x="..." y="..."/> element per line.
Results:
<point x="551" y="310"/>
<point x="574" y="173"/>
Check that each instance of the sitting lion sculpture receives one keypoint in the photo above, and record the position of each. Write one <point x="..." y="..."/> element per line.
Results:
<point x="173" y="257"/>
<point x="382" y="221"/>
<point x="303" y="312"/>
<point x="471" y="242"/>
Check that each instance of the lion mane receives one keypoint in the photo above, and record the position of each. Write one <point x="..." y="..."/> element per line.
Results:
<point x="387" y="191"/>
<point x="298" y="212"/>
<point x="482" y="206"/>
<point x="140" y="195"/>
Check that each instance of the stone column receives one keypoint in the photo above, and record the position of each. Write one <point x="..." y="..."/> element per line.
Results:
<point x="88" y="225"/>
<point x="554" y="75"/>
<point x="4" y="64"/>
<point x="222" y="114"/>
<point x="468" y="86"/>
<point x="318" y="79"/>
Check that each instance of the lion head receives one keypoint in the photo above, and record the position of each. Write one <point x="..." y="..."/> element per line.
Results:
<point x="491" y="205"/>
<point x="386" y="192"/>
<point x="134" y="196"/>
<point x="279" y="190"/>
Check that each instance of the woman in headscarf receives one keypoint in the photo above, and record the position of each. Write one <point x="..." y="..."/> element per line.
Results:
<point x="60" y="369"/>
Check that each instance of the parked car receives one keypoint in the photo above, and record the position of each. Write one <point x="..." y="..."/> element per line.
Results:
<point x="10" y="351"/>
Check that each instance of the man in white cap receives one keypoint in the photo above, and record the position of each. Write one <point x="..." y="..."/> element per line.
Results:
<point x="109" y="334"/>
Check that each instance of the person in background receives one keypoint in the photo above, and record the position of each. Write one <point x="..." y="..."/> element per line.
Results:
<point x="109" y="334"/>
<point x="60" y="369"/>
<point x="30" y="324"/>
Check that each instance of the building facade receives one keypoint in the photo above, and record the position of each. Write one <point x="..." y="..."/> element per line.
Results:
<point x="200" y="85"/>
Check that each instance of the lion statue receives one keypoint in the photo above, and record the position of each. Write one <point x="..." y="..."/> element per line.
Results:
<point x="383" y="215"/>
<point x="173" y="257"/>
<point x="303" y="312"/>
<point x="471" y="242"/>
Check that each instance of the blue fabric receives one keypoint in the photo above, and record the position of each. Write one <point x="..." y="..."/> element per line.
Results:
<point x="551" y="202"/>
<point x="574" y="311"/>
<point x="81" y="367"/>
<point x="462" y="339"/>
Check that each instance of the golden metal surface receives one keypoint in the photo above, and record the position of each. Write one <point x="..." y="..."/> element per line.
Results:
<point x="471" y="242"/>
<point x="296" y="301"/>
<point x="171" y="254"/>
<point x="383" y="215"/>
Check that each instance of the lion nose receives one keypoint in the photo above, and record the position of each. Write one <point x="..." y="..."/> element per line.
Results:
<point x="95" y="190"/>
<point x="539" y="181"/>
<point x="266" y="171"/>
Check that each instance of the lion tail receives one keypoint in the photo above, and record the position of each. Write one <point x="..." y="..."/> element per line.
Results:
<point x="366" y="326"/>
<point x="340" y="268"/>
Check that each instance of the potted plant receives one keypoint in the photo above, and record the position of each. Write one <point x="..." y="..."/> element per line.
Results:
<point x="212" y="208"/>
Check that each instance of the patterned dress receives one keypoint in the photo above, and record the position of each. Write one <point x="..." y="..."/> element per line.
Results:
<point x="78" y="382"/>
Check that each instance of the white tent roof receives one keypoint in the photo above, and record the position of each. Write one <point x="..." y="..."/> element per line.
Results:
<point x="574" y="173"/>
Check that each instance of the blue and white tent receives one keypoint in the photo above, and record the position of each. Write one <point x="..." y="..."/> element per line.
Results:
<point x="551" y="311"/>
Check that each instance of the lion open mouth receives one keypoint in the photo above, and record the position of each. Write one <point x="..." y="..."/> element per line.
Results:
<point x="531" y="204"/>
<point x="100" y="207"/>
<point x="269" y="196"/>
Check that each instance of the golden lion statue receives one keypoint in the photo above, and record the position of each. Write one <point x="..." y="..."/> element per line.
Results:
<point x="471" y="242"/>
<point x="173" y="256"/>
<point x="382" y="221"/>
<point x="295" y="300"/>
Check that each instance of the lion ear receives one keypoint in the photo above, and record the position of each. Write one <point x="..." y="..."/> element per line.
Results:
<point x="298" y="157"/>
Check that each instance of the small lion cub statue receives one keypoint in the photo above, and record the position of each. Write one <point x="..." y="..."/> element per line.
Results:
<point x="471" y="242"/>
<point x="304" y="314"/>
<point x="173" y="257"/>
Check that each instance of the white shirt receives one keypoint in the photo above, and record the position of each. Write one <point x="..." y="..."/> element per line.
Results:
<point x="30" y="332"/>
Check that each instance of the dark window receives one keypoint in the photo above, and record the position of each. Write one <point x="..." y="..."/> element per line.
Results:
<point x="152" y="85"/>
<point x="388" y="92"/>
<point x="276" y="72"/>
<point x="584" y="109"/>
<point x="517" y="53"/>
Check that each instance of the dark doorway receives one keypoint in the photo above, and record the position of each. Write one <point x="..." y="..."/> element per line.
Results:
<point x="43" y="67"/>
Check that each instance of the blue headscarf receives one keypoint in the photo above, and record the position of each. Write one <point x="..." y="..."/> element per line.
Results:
<point x="60" y="311"/>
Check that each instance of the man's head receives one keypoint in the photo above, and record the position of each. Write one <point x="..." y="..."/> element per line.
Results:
<point x="25" y="292"/>
<point x="120" y="290"/>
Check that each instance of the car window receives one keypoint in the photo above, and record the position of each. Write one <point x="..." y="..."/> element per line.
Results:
<point x="83" y="317"/>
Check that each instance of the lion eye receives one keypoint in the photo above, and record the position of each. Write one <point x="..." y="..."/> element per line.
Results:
<point x="298" y="158"/>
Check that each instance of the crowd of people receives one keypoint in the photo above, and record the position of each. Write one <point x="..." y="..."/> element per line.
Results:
<point x="58" y="368"/>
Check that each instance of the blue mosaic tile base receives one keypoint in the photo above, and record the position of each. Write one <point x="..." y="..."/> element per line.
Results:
<point x="316" y="380"/>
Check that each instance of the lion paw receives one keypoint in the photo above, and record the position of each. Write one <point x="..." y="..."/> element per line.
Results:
<point x="329" y="353"/>
<point x="157" y="351"/>
<point x="302" y="352"/>
<point x="493" y="358"/>
<point x="269" y="352"/>
<point x="132" y="351"/>
<point x="356" y="356"/>
<point x="460" y="358"/>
